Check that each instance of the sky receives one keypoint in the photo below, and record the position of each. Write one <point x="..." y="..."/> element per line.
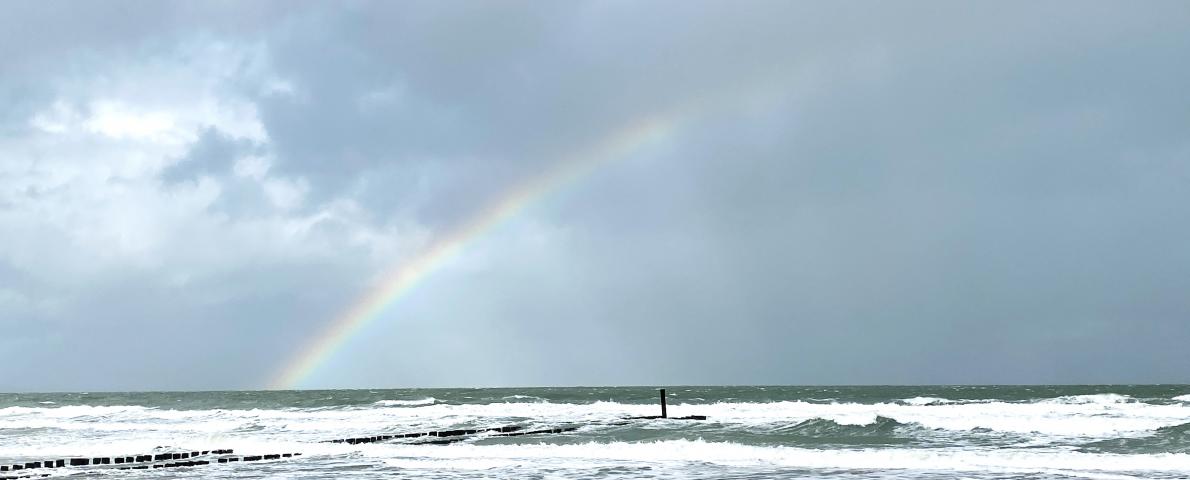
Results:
<point x="843" y="193"/>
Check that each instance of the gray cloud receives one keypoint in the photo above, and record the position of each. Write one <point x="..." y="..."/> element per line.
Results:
<point x="214" y="153"/>
<point x="923" y="193"/>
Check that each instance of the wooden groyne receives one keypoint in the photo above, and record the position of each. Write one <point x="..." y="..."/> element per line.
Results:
<point x="135" y="462"/>
<point x="665" y="413"/>
<point x="196" y="458"/>
<point x="437" y="433"/>
<point x="454" y="435"/>
<point x="84" y="461"/>
<point x="442" y="437"/>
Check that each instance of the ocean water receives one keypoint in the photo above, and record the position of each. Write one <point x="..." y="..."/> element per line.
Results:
<point x="974" y="432"/>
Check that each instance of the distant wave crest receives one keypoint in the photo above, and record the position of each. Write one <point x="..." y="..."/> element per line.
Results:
<point x="1099" y="398"/>
<point x="524" y="398"/>
<point x="487" y="457"/>
<point x="1170" y="439"/>
<point x="407" y="403"/>
<point x="927" y="401"/>
<point x="821" y="427"/>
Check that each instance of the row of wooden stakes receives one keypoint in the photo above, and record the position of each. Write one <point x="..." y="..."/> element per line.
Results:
<point x="506" y="431"/>
<point x="74" y="462"/>
<point x="190" y="459"/>
<point x="192" y="463"/>
<point x="142" y="462"/>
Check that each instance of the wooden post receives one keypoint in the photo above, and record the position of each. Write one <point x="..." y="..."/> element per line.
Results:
<point x="663" y="415"/>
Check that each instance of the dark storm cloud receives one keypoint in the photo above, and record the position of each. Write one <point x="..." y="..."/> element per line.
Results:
<point x="944" y="217"/>
<point x="856" y="193"/>
<point x="970" y="210"/>
<point x="493" y="93"/>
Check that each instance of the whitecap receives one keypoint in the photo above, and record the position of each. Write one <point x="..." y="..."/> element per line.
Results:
<point x="1098" y="398"/>
<point x="926" y="401"/>
<point x="524" y="397"/>
<point x="1053" y="462"/>
<point x="407" y="403"/>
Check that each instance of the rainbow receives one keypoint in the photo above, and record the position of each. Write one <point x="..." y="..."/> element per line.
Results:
<point x="400" y="279"/>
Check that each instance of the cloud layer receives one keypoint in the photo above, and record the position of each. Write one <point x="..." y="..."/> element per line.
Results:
<point x="931" y="193"/>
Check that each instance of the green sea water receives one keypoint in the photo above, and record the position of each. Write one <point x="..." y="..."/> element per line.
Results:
<point x="1100" y="431"/>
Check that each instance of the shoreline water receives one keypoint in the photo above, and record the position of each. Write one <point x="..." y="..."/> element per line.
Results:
<point x="1098" y="431"/>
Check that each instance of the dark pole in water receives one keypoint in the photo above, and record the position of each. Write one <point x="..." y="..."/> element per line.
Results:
<point x="663" y="403"/>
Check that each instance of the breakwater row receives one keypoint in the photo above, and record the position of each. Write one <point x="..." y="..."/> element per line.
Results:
<point x="135" y="462"/>
<point x="194" y="458"/>
<point x="454" y="435"/>
<point x="84" y="461"/>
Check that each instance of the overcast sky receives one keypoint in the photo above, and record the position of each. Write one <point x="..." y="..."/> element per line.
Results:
<point x="857" y="192"/>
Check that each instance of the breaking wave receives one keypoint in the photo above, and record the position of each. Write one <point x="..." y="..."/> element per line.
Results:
<point x="927" y="401"/>
<point x="524" y="398"/>
<point x="407" y="403"/>
<point x="1096" y="416"/>
<point x="1171" y="439"/>
<point x="1095" y="399"/>
<point x="823" y="432"/>
<point x="1102" y="435"/>
<point x="726" y="453"/>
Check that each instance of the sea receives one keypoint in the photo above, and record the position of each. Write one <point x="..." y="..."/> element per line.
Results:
<point x="750" y="432"/>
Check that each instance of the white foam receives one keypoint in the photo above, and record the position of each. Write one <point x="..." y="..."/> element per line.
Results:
<point x="407" y="403"/>
<point x="525" y="397"/>
<point x="677" y="454"/>
<point x="1182" y="398"/>
<point x="1097" y="399"/>
<point x="1051" y="461"/>
<point x="1043" y="422"/>
<point x="72" y="411"/>
<point x="926" y="401"/>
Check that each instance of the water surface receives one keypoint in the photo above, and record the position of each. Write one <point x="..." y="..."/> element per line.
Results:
<point x="1032" y="432"/>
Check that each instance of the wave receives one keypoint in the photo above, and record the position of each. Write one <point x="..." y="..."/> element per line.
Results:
<point x="1069" y="417"/>
<point x="1182" y="398"/>
<point x="426" y="459"/>
<point x="1093" y="399"/>
<point x="734" y="454"/>
<point x="524" y="397"/>
<point x="882" y="430"/>
<point x="1171" y="439"/>
<point x="73" y="411"/>
<point x="407" y="403"/>
<point x="1089" y="417"/>
<point x="927" y="401"/>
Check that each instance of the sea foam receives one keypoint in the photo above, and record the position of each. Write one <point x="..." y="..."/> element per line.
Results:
<point x="407" y="403"/>
<point x="733" y="454"/>
<point x="1092" y="417"/>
